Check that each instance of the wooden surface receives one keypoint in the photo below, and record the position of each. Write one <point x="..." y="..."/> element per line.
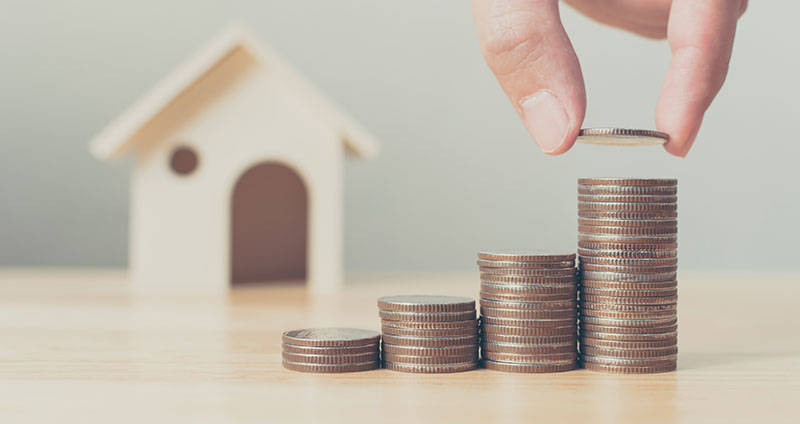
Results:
<point x="75" y="346"/>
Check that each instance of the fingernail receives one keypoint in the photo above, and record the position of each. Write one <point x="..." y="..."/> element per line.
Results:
<point x="546" y="119"/>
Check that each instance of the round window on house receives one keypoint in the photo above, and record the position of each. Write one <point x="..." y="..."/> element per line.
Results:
<point x="183" y="160"/>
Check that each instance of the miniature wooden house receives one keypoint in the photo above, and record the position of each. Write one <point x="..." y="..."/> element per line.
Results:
<point x="237" y="173"/>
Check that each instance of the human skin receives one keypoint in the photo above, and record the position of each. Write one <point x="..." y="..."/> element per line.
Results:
<point x="529" y="52"/>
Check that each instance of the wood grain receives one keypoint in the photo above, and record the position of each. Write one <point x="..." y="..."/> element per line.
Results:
<point x="77" y="346"/>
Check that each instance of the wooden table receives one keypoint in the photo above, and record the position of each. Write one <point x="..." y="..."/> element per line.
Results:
<point x="76" y="346"/>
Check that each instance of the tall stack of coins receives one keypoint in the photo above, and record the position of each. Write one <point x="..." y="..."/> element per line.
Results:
<point x="331" y="350"/>
<point x="528" y="311"/>
<point x="429" y="334"/>
<point x="627" y="246"/>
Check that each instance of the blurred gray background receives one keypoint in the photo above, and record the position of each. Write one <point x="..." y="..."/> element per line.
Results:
<point x="457" y="170"/>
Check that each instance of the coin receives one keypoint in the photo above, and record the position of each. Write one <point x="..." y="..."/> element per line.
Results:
<point x="606" y="306"/>
<point x="614" y="214"/>
<point x="358" y="358"/>
<point x="430" y="351"/>
<point x="430" y="341"/>
<point x="528" y="313"/>
<point x="489" y="303"/>
<point x="641" y="325"/>
<point x="527" y="265"/>
<point x="630" y="370"/>
<point x="347" y="350"/>
<point x="523" y="279"/>
<point x="622" y="136"/>
<point x="628" y="277"/>
<point x="588" y="290"/>
<point x="330" y="337"/>
<point x="633" y="345"/>
<point x="427" y="317"/>
<point x="416" y="332"/>
<point x="627" y="337"/>
<point x="630" y="300"/>
<point x="528" y="368"/>
<point x="436" y="325"/>
<point x="627" y="198"/>
<point x="530" y="272"/>
<point x="627" y="231"/>
<point x="530" y="298"/>
<point x="628" y="286"/>
<point x="641" y="262"/>
<point x="330" y="368"/>
<point x="529" y="349"/>
<point x="630" y="254"/>
<point x="430" y="360"/>
<point x="615" y="181"/>
<point x="628" y="362"/>
<point x="514" y="322"/>
<point x="628" y="206"/>
<point x="426" y="303"/>
<point x="629" y="315"/>
<point x="525" y="255"/>
<point x="607" y="238"/>
<point x="530" y="331"/>
<point x="530" y="358"/>
<point x="596" y="189"/>
<point x="628" y="330"/>
<point x="528" y="289"/>
<point x="630" y="354"/>
<point x="629" y="269"/>
<point x="430" y="369"/>
<point x="629" y="223"/>
<point x="528" y="340"/>
<point x="655" y="250"/>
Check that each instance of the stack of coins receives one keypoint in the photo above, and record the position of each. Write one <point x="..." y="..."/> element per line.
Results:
<point x="528" y="311"/>
<point x="429" y="334"/>
<point x="627" y="246"/>
<point x="331" y="350"/>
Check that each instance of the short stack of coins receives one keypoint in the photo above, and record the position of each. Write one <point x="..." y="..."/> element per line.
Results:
<point x="429" y="334"/>
<point x="528" y="311"/>
<point x="627" y="247"/>
<point x="331" y="350"/>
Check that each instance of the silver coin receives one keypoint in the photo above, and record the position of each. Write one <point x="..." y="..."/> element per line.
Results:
<point x="526" y="255"/>
<point x="628" y="278"/>
<point x="333" y="337"/>
<point x="622" y="137"/>
<point x="426" y="303"/>
<point x="522" y="265"/>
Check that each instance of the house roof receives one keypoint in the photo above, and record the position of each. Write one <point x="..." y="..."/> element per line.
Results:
<point x="115" y="139"/>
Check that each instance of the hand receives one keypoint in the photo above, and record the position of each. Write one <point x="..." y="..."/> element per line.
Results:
<point x="530" y="54"/>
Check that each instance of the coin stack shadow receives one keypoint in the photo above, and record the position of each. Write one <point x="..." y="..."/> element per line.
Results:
<point x="528" y="311"/>
<point x="627" y="249"/>
<point x="429" y="334"/>
<point x="330" y="350"/>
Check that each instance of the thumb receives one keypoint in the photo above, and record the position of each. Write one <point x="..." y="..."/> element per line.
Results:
<point x="529" y="52"/>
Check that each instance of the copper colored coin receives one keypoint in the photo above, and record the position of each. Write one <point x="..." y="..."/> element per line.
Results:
<point x="629" y="286"/>
<point x="358" y="358"/>
<point x="528" y="314"/>
<point x="330" y="337"/>
<point x="628" y="308"/>
<point x="346" y="350"/>
<point x="529" y="358"/>
<point x="429" y="360"/>
<point x="633" y="345"/>
<point x="529" y="331"/>
<point x="529" y="322"/>
<point x="330" y="368"/>
<point x="431" y="351"/>
<point x="526" y="265"/>
<point x="529" y="349"/>
<point x="639" y="362"/>
<point x="427" y="317"/>
<point x="527" y="289"/>
<point x="523" y="279"/>
<point x="628" y="206"/>
<point x="633" y="216"/>
<point x="528" y="340"/>
<point x="641" y="262"/>
<point x="441" y="325"/>
<point x="628" y="337"/>
<point x="627" y="231"/>
<point x="629" y="315"/>
<point x="615" y="190"/>
<point x="531" y="272"/>
<point x="628" y="277"/>
<point x="628" y="198"/>
<point x="536" y="306"/>
<point x="615" y="181"/>
<point x="630" y="354"/>
<point x="629" y="223"/>
<point x="630" y="254"/>
<point x="430" y="369"/>
<point x="416" y="332"/>
<point x="615" y="329"/>
<point x="659" y="248"/>
<point x="627" y="323"/>
<point x="630" y="300"/>
<point x="530" y="298"/>
<point x="526" y="255"/>
<point x="630" y="370"/>
<point x="629" y="269"/>
<point x="617" y="239"/>
<point x="426" y="303"/>
<point x="628" y="293"/>
<point x="528" y="368"/>
<point x="430" y="341"/>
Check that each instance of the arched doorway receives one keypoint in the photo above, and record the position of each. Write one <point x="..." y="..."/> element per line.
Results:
<point x="269" y="225"/>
